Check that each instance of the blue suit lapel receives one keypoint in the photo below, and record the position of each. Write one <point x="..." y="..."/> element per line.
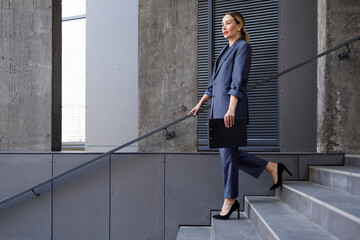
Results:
<point x="217" y="59"/>
<point x="225" y="56"/>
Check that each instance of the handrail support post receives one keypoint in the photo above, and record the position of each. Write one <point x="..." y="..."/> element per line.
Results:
<point x="36" y="194"/>
<point x="345" y="54"/>
<point x="169" y="135"/>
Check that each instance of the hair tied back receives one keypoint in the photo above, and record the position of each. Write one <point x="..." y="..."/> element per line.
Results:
<point x="240" y="19"/>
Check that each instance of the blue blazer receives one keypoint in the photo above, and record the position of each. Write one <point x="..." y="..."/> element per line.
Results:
<point x="230" y="77"/>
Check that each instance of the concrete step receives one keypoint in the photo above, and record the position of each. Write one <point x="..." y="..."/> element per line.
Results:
<point x="233" y="229"/>
<point x="274" y="219"/>
<point x="352" y="160"/>
<point x="345" y="178"/>
<point x="193" y="233"/>
<point x="336" y="211"/>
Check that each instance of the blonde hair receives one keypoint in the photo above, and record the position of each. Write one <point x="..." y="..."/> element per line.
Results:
<point x="240" y="19"/>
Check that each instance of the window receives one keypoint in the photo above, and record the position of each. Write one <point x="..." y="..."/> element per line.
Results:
<point x="73" y="73"/>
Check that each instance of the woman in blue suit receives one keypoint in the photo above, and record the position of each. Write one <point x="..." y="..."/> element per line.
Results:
<point x="227" y="88"/>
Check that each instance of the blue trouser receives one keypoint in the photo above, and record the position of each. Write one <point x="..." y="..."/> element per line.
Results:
<point x="232" y="159"/>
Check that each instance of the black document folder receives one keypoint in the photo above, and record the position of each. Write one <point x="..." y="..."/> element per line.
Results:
<point x="222" y="137"/>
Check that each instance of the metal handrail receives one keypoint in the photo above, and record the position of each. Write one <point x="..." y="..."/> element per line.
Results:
<point x="32" y="188"/>
<point x="307" y="61"/>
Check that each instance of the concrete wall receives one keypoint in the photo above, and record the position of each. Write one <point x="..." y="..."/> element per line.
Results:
<point x="167" y="72"/>
<point x="30" y="75"/>
<point x="338" y="81"/>
<point x="111" y="74"/>
<point x="297" y="89"/>
<point x="125" y="196"/>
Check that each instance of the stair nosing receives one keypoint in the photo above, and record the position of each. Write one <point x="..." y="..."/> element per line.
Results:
<point x="263" y="220"/>
<point x="343" y="172"/>
<point x="335" y="209"/>
<point x="352" y="155"/>
<point x="292" y="211"/>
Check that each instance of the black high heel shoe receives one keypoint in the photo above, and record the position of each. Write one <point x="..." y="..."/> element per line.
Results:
<point x="235" y="206"/>
<point x="280" y="168"/>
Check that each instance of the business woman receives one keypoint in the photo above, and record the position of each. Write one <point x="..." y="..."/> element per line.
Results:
<point x="227" y="90"/>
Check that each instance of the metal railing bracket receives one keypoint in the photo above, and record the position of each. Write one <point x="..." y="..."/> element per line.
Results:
<point x="345" y="54"/>
<point x="36" y="194"/>
<point x="169" y="135"/>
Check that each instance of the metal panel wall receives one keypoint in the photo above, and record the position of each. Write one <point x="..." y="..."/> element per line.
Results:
<point x="137" y="196"/>
<point x="193" y="187"/>
<point x="151" y="194"/>
<point x="298" y="98"/>
<point x="81" y="199"/>
<point x="27" y="217"/>
<point x="262" y="24"/>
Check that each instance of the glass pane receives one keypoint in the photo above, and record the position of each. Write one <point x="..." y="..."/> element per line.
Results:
<point x="73" y="80"/>
<point x="73" y="8"/>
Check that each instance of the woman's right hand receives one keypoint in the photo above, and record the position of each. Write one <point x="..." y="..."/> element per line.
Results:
<point x="195" y="110"/>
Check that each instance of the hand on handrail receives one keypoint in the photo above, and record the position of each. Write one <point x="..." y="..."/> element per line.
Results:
<point x="196" y="109"/>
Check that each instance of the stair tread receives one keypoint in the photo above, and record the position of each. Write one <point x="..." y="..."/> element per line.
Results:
<point x="286" y="222"/>
<point x="193" y="233"/>
<point x="338" y="199"/>
<point x="233" y="228"/>
<point x="340" y="169"/>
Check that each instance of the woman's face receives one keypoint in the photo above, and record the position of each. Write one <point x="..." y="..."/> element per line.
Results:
<point x="230" y="28"/>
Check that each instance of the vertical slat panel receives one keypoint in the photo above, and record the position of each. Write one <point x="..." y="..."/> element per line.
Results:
<point x="203" y="69"/>
<point x="262" y="20"/>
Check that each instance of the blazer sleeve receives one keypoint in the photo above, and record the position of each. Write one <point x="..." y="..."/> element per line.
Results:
<point x="210" y="87"/>
<point x="241" y="69"/>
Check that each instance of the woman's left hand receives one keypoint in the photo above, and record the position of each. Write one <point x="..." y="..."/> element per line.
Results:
<point x="229" y="118"/>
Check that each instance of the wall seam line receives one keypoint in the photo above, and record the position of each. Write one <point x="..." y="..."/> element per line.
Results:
<point x="164" y="195"/>
<point x="52" y="199"/>
<point x="110" y="194"/>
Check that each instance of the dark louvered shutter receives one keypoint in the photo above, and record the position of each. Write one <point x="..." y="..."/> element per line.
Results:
<point x="203" y="69"/>
<point x="262" y="24"/>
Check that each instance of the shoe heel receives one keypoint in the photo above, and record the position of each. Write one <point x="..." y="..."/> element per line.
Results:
<point x="288" y="171"/>
<point x="235" y="206"/>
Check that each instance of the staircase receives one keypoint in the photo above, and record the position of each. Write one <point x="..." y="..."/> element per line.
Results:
<point x="325" y="207"/>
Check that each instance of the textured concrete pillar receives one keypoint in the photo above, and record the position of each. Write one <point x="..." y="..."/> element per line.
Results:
<point x="338" y="80"/>
<point x="167" y="72"/>
<point x="30" y="75"/>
